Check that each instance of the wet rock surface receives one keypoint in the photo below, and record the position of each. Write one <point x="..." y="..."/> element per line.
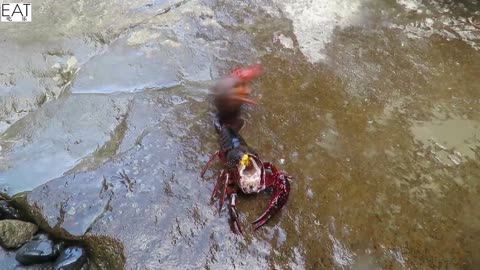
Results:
<point x="46" y="145"/>
<point x="155" y="52"/>
<point x="25" y="251"/>
<point x="14" y="233"/>
<point x="8" y="212"/>
<point x="71" y="258"/>
<point x="7" y="259"/>
<point x="43" y="266"/>
<point x="36" y="252"/>
<point x="370" y="105"/>
<point x="143" y="192"/>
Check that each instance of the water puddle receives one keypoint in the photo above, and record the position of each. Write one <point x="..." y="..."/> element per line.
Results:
<point x="452" y="140"/>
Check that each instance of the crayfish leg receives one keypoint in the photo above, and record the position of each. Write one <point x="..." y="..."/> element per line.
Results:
<point x="217" y="184"/>
<point x="232" y="209"/>
<point x="209" y="163"/>
<point x="224" y="191"/>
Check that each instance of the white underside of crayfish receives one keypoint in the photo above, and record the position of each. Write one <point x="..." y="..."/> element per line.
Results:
<point x="245" y="171"/>
<point x="251" y="177"/>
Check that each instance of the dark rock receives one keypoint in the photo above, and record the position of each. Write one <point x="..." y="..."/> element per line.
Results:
<point x="40" y="236"/>
<point x="8" y="262"/>
<point x="14" y="233"/>
<point x="59" y="247"/>
<point x="43" y="266"/>
<point x="36" y="251"/>
<point x="72" y="258"/>
<point x="8" y="212"/>
<point x="86" y="266"/>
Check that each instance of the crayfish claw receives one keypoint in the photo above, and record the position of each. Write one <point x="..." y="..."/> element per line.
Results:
<point x="272" y="209"/>
<point x="259" y="222"/>
<point x="281" y="189"/>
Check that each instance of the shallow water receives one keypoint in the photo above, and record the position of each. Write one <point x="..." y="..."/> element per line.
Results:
<point x="371" y="105"/>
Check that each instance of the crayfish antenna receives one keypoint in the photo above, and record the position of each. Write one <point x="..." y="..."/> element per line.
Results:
<point x="246" y="100"/>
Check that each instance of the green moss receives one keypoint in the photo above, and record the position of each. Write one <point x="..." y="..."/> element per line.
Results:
<point x="105" y="252"/>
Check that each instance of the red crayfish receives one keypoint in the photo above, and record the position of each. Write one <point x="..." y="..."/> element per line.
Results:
<point x="243" y="169"/>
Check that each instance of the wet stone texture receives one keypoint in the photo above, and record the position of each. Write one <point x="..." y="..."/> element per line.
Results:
<point x="14" y="233"/>
<point x="371" y="105"/>
<point x="8" y="259"/>
<point x="36" y="251"/>
<point x="71" y="258"/>
<point x="46" y="144"/>
<point x="157" y="189"/>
